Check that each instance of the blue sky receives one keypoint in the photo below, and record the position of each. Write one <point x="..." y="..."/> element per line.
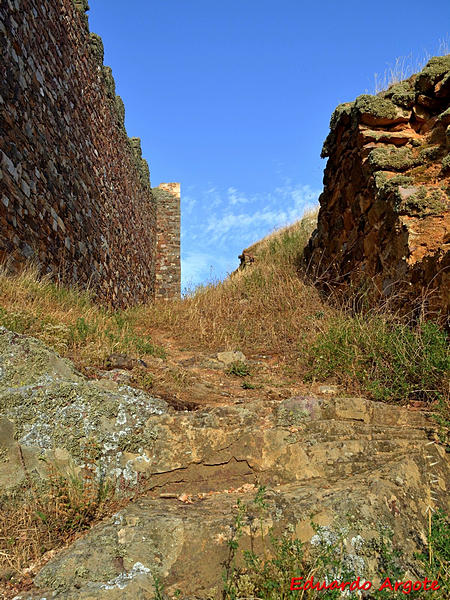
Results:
<point x="233" y="100"/>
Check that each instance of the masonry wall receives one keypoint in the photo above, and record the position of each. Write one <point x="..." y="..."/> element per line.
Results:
<point x="384" y="220"/>
<point x="167" y="268"/>
<point x="74" y="190"/>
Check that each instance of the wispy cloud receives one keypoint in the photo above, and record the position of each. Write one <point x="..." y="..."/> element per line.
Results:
<point x="219" y="224"/>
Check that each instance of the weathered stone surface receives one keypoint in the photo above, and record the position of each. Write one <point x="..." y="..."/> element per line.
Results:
<point x="391" y="158"/>
<point x="227" y="358"/>
<point x="48" y="410"/>
<point x="373" y="110"/>
<point x="349" y="459"/>
<point x="435" y="70"/>
<point x="385" y="208"/>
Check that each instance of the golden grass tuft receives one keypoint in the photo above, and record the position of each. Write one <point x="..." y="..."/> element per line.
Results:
<point x="42" y="517"/>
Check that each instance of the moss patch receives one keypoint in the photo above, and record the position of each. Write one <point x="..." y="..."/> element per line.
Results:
<point x="392" y="159"/>
<point x="446" y="164"/>
<point x="402" y="94"/>
<point x="388" y="188"/>
<point x="120" y="109"/>
<point x="110" y="84"/>
<point x="430" y="153"/>
<point x="423" y="202"/>
<point x="98" y="51"/>
<point x="52" y="407"/>
<point x="435" y="69"/>
<point x="374" y="106"/>
<point x="141" y="163"/>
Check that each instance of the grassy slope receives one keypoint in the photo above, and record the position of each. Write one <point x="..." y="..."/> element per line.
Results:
<point x="266" y="308"/>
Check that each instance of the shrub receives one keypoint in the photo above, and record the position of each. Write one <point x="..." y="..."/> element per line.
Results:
<point x="391" y="361"/>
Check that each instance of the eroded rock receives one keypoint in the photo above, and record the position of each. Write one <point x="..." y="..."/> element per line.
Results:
<point x="385" y="208"/>
<point x="335" y="459"/>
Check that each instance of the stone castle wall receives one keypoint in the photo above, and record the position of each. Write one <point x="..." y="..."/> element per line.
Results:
<point x="75" y="194"/>
<point x="168" y="269"/>
<point x="384" y="219"/>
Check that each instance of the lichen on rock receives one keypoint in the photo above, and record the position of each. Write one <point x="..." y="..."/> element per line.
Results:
<point x="435" y="69"/>
<point x="402" y="94"/>
<point x="391" y="158"/>
<point x="98" y="51"/>
<point x="52" y="407"/>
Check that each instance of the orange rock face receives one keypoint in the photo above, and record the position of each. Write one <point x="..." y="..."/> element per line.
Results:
<point x="384" y="220"/>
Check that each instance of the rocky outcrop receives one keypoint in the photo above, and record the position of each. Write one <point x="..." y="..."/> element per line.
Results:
<point x="349" y="459"/>
<point x="384" y="215"/>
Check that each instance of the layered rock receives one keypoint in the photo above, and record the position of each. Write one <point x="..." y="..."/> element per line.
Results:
<point x="384" y="217"/>
<point x="336" y="459"/>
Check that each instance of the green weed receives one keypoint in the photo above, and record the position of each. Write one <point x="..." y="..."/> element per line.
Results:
<point x="238" y="368"/>
<point x="391" y="361"/>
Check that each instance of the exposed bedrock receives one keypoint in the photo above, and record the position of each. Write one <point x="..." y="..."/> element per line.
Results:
<point x="345" y="460"/>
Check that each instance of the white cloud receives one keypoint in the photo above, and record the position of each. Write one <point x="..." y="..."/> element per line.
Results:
<point x="219" y="224"/>
<point x="235" y="198"/>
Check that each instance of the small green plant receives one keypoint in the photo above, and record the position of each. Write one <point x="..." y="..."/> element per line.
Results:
<point x="143" y="379"/>
<point x="158" y="589"/>
<point x="44" y="515"/>
<point x="248" y="386"/>
<point x="391" y="361"/>
<point x="238" y="368"/>
<point x="16" y="321"/>
<point x="267" y="574"/>
<point x="436" y="560"/>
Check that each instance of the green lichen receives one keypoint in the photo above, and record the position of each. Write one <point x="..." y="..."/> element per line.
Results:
<point x="444" y="117"/>
<point x="392" y="159"/>
<point x="388" y="187"/>
<point x="376" y="107"/>
<point x="51" y="406"/>
<point x="380" y="179"/>
<point x="110" y="84"/>
<point x="81" y="5"/>
<point x="120" y="109"/>
<point x="342" y="115"/>
<point x="25" y="361"/>
<point x="435" y="69"/>
<point x="424" y="202"/>
<point x="340" y="111"/>
<point x="446" y="164"/>
<point x="141" y="163"/>
<point x="4" y="455"/>
<point x="287" y="417"/>
<point x="430" y="153"/>
<point x="135" y="441"/>
<point x="402" y="94"/>
<point x="97" y="49"/>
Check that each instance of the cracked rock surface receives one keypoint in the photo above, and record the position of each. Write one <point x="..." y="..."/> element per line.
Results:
<point x="362" y="462"/>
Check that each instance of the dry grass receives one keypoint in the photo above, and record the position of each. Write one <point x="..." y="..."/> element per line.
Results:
<point x="265" y="308"/>
<point x="405" y="66"/>
<point x="68" y="319"/>
<point x="42" y="517"/>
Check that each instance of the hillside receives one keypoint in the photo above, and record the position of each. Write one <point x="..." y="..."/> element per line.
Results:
<point x="284" y="416"/>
